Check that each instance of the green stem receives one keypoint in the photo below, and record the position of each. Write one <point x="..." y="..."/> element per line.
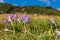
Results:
<point x="5" y="36"/>
<point x="56" y="35"/>
<point x="13" y="31"/>
<point x="25" y="29"/>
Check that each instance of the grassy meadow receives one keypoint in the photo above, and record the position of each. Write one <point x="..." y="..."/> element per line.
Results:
<point x="38" y="28"/>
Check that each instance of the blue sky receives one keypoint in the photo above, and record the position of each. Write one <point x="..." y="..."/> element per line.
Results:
<point x="52" y="3"/>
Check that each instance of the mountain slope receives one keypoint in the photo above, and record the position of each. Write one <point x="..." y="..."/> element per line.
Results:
<point x="8" y="8"/>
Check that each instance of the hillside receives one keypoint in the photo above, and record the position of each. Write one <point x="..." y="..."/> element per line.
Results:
<point x="8" y="8"/>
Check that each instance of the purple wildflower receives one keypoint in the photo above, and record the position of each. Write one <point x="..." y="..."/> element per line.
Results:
<point x="16" y="16"/>
<point x="11" y="16"/>
<point x="58" y="33"/>
<point x="23" y="17"/>
<point x="27" y="20"/>
<point x="4" y="21"/>
<point x="52" y="22"/>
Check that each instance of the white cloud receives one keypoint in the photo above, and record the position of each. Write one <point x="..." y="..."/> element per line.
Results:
<point x="15" y="4"/>
<point x="1" y="1"/>
<point x="44" y="0"/>
<point x="47" y="2"/>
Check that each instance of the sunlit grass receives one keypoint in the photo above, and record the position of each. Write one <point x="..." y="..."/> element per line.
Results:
<point x="37" y="29"/>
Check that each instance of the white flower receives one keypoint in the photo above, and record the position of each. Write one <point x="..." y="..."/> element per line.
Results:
<point x="18" y="20"/>
<point x="9" y="19"/>
<point x="35" y="14"/>
<point x="6" y="30"/>
<point x="53" y="21"/>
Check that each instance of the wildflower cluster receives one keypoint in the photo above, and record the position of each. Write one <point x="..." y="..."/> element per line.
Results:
<point x="11" y="16"/>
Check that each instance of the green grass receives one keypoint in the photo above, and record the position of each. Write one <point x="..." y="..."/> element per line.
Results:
<point x="36" y="29"/>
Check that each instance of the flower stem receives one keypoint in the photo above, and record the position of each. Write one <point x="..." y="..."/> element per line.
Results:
<point x="13" y="31"/>
<point x="25" y="29"/>
<point x="5" y="34"/>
